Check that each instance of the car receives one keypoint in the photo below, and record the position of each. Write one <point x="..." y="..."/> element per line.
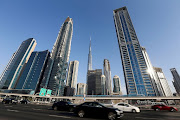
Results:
<point x="96" y="109"/>
<point x="127" y="107"/>
<point x="63" y="105"/>
<point x="9" y="101"/>
<point x="164" y="107"/>
<point x="24" y="101"/>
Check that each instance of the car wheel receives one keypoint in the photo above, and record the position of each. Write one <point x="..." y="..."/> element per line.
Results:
<point x="55" y="108"/>
<point x="81" y="113"/>
<point x="133" y="111"/>
<point x="172" y="110"/>
<point x="157" y="109"/>
<point x="111" y="116"/>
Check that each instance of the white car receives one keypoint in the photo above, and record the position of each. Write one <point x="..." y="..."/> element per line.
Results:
<point x="127" y="107"/>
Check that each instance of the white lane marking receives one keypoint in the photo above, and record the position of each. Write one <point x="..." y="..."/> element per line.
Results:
<point x="36" y="109"/>
<point x="150" y="118"/>
<point x="59" y="116"/>
<point x="12" y="110"/>
<point x="146" y="118"/>
<point x="8" y="106"/>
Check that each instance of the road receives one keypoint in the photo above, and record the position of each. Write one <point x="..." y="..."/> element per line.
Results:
<point x="44" y="112"/>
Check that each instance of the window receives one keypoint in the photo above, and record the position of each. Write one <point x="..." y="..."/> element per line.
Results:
<point x="121" y="104"/>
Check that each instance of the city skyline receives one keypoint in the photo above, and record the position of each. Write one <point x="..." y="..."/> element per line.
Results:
<point x="99" y="50"/>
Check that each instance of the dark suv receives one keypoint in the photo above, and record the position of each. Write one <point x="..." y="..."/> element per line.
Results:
<point x="24" y="101"/>
<point x="96" y="109"/>
<point x="63" y="105"/>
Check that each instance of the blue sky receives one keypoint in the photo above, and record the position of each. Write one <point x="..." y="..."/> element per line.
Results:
<point x="156" y="23"/>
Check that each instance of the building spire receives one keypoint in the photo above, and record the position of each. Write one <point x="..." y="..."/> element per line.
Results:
<point x="90" y="57"/>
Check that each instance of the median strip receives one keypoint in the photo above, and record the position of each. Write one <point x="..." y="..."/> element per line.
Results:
<point x="59" y="116"/>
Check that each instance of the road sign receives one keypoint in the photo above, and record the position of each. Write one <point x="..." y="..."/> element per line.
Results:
<point x="42" y="92"/>
<point x="48" y="92"/>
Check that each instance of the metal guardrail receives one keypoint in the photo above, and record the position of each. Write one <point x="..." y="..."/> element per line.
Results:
<point x="93" y="98"/>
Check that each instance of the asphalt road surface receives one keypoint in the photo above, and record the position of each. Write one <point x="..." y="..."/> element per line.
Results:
<point x="43" y="112"/>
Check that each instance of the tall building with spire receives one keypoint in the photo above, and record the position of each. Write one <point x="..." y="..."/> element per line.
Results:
<point x="137" y="79"/>
<point x="55" y="73"/>
<point x="10" y="76"/>
<point x="89" y="57"/>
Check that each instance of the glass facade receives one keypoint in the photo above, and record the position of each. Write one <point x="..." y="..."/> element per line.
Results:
<point x="16" y="64"/>
<point x="55" y="72"/>
<point x="103" y="84"/>
<point x="72" y="74"/>
<point x="137" y="79"/>
<point x="107" y="73"/>
<point x="117" y="84"/>
<point x="81" y="89"/>
<point x="176" y="79"/>
<point x="33" y="71"/>
<point x="94" y="82"/>
<point x="166" y="91"/>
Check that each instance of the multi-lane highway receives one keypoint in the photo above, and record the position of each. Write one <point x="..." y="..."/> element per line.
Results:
<point x="44" y="112"/>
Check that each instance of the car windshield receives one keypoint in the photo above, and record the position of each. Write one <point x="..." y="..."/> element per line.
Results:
<point x="101" y="104"/>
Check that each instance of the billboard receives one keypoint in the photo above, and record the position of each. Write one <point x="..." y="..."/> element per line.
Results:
<point x="42" y="92"/>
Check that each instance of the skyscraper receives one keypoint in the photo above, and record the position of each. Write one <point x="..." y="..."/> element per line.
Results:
<point x="137" y="78"/>
<point x="176" y="79"/>
<point x="166" y="91"/>
<point x="94" y="82"/>
<point x="81" y="88"/>
<point x="154" y="77"/>
<point x="107" y="73"/>
<point x="89" y="57"/>
<point x="103" y="84"/>
<point x="32" y="75"/>
<point x="72" y="74"/>
<point x="117" y="84"/>
<point x="11" y="74"/>
<point x="55" y="73"/>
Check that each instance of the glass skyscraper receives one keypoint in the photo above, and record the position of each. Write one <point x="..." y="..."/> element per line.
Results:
<point x="137" y="78"/>
<point x="103" y="84"/>
<point x="117" y="84"/>
<point x="176" y="79"/>
<point x="89" y="58"/>
<point x="94" y="82"/>
<point x="166" y="91"/>
<point x="33" y="71"/>
<point x="152" y="72"/>
<point x="10" y="75"/>
<point x="107" y="73"/>
<point x="55" y="72"/>
<point x="72" y="74"/>
<point x="81" y="88"/>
